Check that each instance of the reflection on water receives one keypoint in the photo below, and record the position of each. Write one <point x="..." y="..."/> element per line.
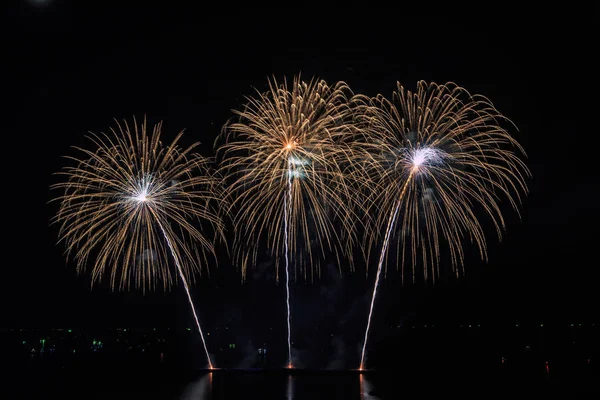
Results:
<point x="44" y="379"/>
<point x="366" y="388"/>
<point x="249" y="385"/>
<point x="42" y="382"/>
<point x="349" y="385"/>
<point x="290" y="388"/>
<point x="320" y="385"/>
<point x="200" y="389"/>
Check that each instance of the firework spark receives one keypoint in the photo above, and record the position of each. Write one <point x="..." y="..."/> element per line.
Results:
<point x="283" y="162"/>
<point x="434" y="158"/>
<point x="132" y="202"/>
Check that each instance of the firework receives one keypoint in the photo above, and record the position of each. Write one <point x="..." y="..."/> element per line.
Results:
<point x="434" y="159"/>
<point x="283" y="161"/>
<point x="132" y="206"/>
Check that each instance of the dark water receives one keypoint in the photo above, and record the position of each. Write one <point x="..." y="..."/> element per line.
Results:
<point x="420" y="364"/>
<point x="104" y="381"/>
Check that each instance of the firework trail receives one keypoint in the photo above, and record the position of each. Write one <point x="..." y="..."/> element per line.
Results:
<point x="434" y="158"/>
<point x="282" y="161"/>
<point x="286" y="204"/>
<point x="131" y="202"/>
<point x="386" y="240"/>
<point x="187" y="292"/>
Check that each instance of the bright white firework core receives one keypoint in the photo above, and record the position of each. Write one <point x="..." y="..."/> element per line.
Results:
<point x="141" y="190"/>
<point x="141" y="197"/>
<point x="424" y="155"/>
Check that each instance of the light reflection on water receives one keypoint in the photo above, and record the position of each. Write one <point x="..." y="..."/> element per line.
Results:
<point x="200" y="389"/>
<point x="290" y="388"/>
<point x="242" y="385"/>
<point x="37" y="380"/>
<point x="265" y="385"/>
<point x="365" y="389"/>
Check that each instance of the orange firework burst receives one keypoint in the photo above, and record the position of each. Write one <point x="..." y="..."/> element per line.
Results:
<point x="131" y="202"/>
<point x="283" y="160"/>
<point x="432" y="158"/>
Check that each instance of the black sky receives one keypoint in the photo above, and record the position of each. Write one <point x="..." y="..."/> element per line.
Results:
<point x="70" y="70"/>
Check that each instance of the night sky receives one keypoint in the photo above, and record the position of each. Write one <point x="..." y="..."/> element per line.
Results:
<point x="72" y="70"/>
